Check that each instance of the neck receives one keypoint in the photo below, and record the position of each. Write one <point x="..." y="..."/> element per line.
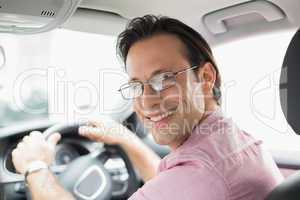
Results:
<point x="211" y="106"/>
<point x="208" y="110"/>
<point x="177" y="144"/>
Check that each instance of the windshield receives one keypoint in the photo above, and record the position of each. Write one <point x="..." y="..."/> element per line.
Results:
<point x="61" y="75"/>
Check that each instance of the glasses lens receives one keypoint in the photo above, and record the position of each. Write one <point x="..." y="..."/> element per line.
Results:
<point x="163" y="81"/>
<point x="132" y="90"/>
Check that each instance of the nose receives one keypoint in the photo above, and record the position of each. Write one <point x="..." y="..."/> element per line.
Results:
<point x="149" y="100"/>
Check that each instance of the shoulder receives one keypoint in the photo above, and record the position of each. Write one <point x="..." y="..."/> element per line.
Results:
<point x="184" y="182"/>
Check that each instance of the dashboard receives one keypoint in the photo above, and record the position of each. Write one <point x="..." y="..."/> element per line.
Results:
<point x="71" y="146"/>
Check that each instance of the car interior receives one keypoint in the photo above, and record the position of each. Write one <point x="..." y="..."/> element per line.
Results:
<point x="97" y="171"/>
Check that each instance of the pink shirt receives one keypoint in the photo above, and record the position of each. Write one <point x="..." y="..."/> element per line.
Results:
<point x="219" y="161"/>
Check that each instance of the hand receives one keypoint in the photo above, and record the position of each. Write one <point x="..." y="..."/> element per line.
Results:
<point x="34" y="148"/>
<point x="106" y="131"/>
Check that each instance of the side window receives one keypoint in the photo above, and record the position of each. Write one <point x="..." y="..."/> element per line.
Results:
<point x="250" y="71"/>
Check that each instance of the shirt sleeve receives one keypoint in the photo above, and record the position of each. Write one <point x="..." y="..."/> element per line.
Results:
<point x="184" y="183"/>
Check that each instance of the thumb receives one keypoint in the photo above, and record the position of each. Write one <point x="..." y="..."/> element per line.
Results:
<point x="54" y="139"/>
<point x="94" y="123"/>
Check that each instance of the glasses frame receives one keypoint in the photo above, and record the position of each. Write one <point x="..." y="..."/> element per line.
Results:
<point x="148" y="82"/>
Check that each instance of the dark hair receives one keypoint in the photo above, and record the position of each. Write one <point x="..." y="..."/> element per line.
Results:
<point x="147" y="26"/>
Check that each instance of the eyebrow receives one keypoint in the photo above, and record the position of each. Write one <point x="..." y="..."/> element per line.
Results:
<point x="152" y="74"/>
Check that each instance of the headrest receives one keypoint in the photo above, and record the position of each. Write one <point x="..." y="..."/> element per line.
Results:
<point x="290" y="84"/>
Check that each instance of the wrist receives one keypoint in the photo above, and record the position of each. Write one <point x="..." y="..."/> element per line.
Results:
<point x="124" y="135"/>
<point x="37" y="176"/>
<point x="35" y="167"/>
<point x="129" y="141"/>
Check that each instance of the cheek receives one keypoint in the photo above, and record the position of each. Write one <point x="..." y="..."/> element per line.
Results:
<point x="170" y="98"/>
<point x="196" y="97"/>
<point x="137" y="107"/>
<point x="191" y="96"/>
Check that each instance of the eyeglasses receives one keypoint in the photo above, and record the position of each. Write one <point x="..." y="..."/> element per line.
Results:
<point x="158" y="83"/>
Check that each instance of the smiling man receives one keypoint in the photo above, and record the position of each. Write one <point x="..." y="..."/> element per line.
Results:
<point x="175" y="86"/>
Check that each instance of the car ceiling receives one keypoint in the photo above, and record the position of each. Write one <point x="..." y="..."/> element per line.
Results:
<point x="110" y="17"/>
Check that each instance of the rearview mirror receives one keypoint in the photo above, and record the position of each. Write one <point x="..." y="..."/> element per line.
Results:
<point x="34" y="16"/>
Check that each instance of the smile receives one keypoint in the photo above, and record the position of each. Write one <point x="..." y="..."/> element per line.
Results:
<point x="160" y="117"/>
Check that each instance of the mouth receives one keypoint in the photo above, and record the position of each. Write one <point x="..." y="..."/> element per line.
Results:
<point x="161" y="118"/>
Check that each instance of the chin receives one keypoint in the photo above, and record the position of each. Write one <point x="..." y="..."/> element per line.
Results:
<point x="163" y="138"/>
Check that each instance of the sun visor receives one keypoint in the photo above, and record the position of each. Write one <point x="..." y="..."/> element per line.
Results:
<point x="34" y="16"/>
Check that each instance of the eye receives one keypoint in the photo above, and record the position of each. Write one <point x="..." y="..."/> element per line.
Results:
<point x="136" y="86"/>
<point x="163" y="81"/>
<point x="168" y="81"/>
<point x="162" y="76"/>
<point x="131" y="90"/>
<point x="167" y="75"/>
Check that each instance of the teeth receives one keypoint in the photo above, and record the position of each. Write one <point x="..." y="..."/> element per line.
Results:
<point x="162" y="116"/>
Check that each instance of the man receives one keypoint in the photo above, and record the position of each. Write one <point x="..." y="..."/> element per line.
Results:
<point x="175" y="85"/>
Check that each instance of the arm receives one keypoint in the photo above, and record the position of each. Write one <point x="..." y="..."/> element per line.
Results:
<point x="142" y="157"/>
<point x="184" y="182"/>
<point x="43" y="185"/>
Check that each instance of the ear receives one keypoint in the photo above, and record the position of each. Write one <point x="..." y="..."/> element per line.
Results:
<point x="207" y="76"/>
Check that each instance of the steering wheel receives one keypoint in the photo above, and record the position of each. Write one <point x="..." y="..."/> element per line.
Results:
<point x="86" y="177"/>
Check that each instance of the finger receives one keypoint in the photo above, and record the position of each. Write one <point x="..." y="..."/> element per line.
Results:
<point x="20" y="145"/>
<point x="26" y="138"/>
<point x="94" y="123"/>
<point x="96" y="131"/>
<point x="94" y="137"/>
<point x="54" y="139"/>
<point x="14" y="155"/>
<point x="91" y="133"/>
<point x="14" y="152"/>
<point x="82" y="130"/>
<point x="36" y="134"/>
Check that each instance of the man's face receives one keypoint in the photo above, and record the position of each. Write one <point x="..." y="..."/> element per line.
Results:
<point x="172" y="113"/>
